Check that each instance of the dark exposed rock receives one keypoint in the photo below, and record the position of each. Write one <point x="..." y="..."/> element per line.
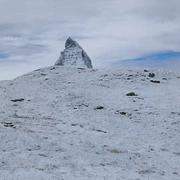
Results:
<point x="43" y="74"/>
<point x="151" y="75"/>
<point x="73" y="124"/>
<point x="70" y="43"/>
<point x="98" y="108"/>
<point x="155" y="81"/>
<point x="16" y="100"/>
<point x="81" y="68"/>
<point x="8" y="124"/>
<point x="101" y="131"/>
<point x="123" y="113"/>
<point x="131" y="94"/>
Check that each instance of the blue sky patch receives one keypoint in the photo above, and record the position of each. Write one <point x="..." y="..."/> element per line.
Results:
<point x="3" y="56"/>
<point x="167" y="60"/>
<point x="159" y="56"/>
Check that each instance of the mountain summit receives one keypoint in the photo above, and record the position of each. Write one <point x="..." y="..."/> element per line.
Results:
<point x="73" y="55"/>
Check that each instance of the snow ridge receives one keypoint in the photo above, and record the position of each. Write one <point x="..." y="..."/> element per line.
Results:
<point x="86" y="124"/>
<point x="74" y="55"/>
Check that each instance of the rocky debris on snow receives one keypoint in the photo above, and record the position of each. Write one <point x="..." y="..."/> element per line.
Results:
<point x="82" y="69"/>
<point x="147" y="171"/>
<point x="87" y="121"/>
<point x="130" y="77"/>
<point x="43" y="74"/>
<point x="116" y="151"/>
<point x="131" y="94"/>
<point x="98" y="108"/>
<point x="16" y="100"/>
<point x="145" y="70"/>
<point x="9" y="124"/>
<point x="151" y="75"/>
<point x="155" y="81"/>
<point x="123" y="113"/>
<point x="74" y="55"/>
<point x="98" y="130"/>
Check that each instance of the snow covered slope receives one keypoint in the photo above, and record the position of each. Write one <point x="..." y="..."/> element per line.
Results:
<point x="73" y="55"/>
<point x="79" y="124"/>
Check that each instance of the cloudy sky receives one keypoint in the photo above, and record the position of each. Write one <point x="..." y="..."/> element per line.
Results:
<point x="112" y="32"/>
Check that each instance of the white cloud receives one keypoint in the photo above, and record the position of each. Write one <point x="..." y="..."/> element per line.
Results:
<point x="108" y="30"/>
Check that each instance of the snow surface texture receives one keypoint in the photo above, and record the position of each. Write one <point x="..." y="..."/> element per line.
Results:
<point x="74" y="55"/>
<point x="78" y="124"/>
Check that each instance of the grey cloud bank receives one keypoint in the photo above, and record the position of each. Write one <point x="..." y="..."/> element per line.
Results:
<point x="32" y="33"/>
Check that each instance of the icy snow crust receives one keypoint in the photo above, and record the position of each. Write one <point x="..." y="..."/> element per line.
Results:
<point x="78" y="124"/>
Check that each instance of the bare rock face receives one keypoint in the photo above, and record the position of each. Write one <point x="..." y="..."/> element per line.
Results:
<point x="73" y="55"/>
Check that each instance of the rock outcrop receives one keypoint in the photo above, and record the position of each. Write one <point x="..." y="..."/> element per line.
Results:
<point x="74" y="55"/>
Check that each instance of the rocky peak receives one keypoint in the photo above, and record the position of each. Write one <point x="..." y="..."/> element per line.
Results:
<point x="70" y="43"/>
<point x="73" y="55"/>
